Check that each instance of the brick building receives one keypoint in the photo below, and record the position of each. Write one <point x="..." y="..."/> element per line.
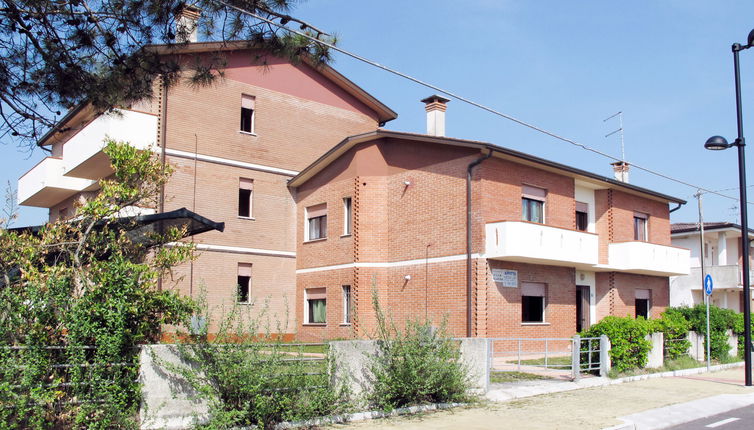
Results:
<point x="310" y="236"/>
<point x="234" y="146"/>
<point x="549" y="248"/>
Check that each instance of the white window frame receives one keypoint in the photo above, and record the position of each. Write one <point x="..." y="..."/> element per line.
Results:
<point x="307" y="220"/>
<point x="307" y="314"/>
<point x="347" y="216"/>
<point x="246" y="268"/>
<point x="248" y="102"/>
<point x="645" y="217"/>
<point x="241" y="186"/>
<point x="544" y="302"/>
<point x="531" y="193"/>
<point x="347" y="304"/>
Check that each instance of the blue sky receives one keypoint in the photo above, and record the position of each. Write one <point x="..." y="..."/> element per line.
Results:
<point x="563" y="66"/>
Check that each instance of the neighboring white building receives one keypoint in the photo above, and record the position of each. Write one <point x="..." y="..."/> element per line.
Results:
<point x="722" y="259"/>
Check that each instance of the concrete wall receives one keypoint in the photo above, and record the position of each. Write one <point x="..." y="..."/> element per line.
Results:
<point x="655" y="355"/>
<point x="168" y="401"/>
<point x="696" y="350"/>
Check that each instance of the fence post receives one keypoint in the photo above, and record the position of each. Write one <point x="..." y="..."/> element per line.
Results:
<point x="604" y="355"/>
<point x="576" y="358"/>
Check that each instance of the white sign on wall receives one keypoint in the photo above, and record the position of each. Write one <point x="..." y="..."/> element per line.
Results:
<point x="505" y="277"/>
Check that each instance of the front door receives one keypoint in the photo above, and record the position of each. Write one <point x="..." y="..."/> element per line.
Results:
<point x="582" y="307"/>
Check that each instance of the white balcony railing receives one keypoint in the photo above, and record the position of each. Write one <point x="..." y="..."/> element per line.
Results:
<point x="728" y="277"/>
<point x="648" y="258"/>
<point x="83" y="154"/>
<point x="537" y="243"/>
<point x="44" y="185"/>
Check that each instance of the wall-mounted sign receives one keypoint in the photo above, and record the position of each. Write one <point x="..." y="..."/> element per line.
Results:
<point x="505" y="277"/>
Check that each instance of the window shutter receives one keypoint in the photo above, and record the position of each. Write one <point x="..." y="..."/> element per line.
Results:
<point x="245" y="184"/>
<point x="316" y="210"/>
<point x="535" y="193"/>
<point x="582" y="207"/>
<point x="642" y="294"/>
<point x="640" y="215"/>
<point x="533" y="289"/>
<point x="244" y="269"/>
<point x="248" y="102"/>
<point x="316" y="294"/>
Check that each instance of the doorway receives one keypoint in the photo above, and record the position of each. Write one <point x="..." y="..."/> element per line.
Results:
<point x="582" y="307"/>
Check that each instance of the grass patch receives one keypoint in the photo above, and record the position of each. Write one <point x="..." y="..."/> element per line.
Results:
<point x="503" y="377"/>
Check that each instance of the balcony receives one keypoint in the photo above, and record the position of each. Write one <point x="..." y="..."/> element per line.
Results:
<point x="723" y="277"/>
<point x="540" y="244"/>
<point x="83" y="153"/>
<point x="648" y="259"/>
<point x="45" y="186"/>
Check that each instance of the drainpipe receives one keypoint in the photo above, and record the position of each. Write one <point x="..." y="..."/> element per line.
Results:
<point x="469" y="169"/>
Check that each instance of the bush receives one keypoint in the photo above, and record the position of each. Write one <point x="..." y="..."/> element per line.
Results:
<point x="250" y="379"/>
<point x="674" y="328"/>
<point x="721" y="320"/>
<point x="419" y="364"/>
<point x="738" y="329"/>
<point x="629" y="348"/>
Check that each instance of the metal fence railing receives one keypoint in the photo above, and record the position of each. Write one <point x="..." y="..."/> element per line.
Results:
<point x="553" y="357"/>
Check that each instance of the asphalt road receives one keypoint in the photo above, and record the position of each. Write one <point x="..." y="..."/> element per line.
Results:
<point x="737" y="419"/>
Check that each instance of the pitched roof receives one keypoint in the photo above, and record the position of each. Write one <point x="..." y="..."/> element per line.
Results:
<point x="687" y="227"/>
<point x="502" y="152"/>
<point x="384" y="113"/>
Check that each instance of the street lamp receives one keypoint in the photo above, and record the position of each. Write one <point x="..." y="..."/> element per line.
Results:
<point x="718" y="143"/>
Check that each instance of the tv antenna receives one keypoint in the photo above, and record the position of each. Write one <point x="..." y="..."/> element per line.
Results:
<point x="619" y="130"/>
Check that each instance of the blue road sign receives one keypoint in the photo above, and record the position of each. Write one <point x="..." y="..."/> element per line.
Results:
<point x="708" y="284"/>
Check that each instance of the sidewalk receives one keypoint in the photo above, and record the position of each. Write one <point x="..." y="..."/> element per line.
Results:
<point x="569" y="405"/>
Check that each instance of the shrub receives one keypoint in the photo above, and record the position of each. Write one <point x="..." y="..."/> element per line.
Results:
<point x="416" y="365"/>
<point x="738" y="329"/>
<point x="674" y="327"/>
<point x="721" y="320"/>
<point x="629" y="348"/>
<point x="250" y="379"/>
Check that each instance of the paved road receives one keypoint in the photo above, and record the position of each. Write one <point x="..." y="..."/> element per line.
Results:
<point x="589" y="408"/>
<point x="737" y="419"/>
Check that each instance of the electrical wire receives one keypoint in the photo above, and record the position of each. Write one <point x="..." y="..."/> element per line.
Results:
<point x="469" y="101"/>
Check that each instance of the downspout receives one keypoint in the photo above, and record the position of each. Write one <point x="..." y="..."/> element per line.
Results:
<point x="163" y="140"/>
<point x="469" y="169"/>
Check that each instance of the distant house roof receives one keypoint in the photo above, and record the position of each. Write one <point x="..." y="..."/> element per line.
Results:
<point x="688" y="227"/>
<point x="502" y="152"/>
<point x="384" y="113"/>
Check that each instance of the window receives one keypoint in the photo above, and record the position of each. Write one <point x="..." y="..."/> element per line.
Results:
<point x="643" y="303"/>
<point x="640" y="226"/>
<point x="533" y="302"/>
<point x="247" y="113"/>
<point x="582" y="216"/>
<point x="316" y="222"/>
<point x="346" y="216"/>
<point x="346" y="304"/>
<point x="533" y="204"/>
<point x="316" y="306"/>
<point x="245" y="191"/>
<point x="244" y="283"/>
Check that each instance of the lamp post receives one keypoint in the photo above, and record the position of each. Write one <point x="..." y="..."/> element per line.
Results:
<point x="718" y="143"/>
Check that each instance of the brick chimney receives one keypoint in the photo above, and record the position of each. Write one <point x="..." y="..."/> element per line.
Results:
<point x="435" y="107"/>
<point x="186" y="24"/>
<point x="621" y="170"/>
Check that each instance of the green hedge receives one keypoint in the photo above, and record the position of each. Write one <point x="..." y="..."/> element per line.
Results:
<point x="629" y="348"/>
<point x="721" y="320"/>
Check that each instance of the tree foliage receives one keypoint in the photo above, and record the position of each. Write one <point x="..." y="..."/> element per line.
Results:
<point x="55" y="54"/>
<point x="77" y="298"/>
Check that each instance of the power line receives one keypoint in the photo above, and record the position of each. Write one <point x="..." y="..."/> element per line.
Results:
<point x="468" y="101"/>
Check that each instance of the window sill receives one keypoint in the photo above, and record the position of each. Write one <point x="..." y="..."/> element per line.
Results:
<point x="315" y="324"/>
<point x="315" y="240"/>
<point x="535" y="323"/>
<point x="245" y="303"/>
<point x="250" y="218"/>
<point x="345" y="235"/>
<point x="248" y="133"/>
<point x="345" y="324"/>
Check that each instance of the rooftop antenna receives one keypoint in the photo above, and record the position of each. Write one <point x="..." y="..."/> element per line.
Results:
<point x="620" y="119"/>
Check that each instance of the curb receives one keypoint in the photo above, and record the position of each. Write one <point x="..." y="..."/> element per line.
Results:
<point x="368" y="415"/>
